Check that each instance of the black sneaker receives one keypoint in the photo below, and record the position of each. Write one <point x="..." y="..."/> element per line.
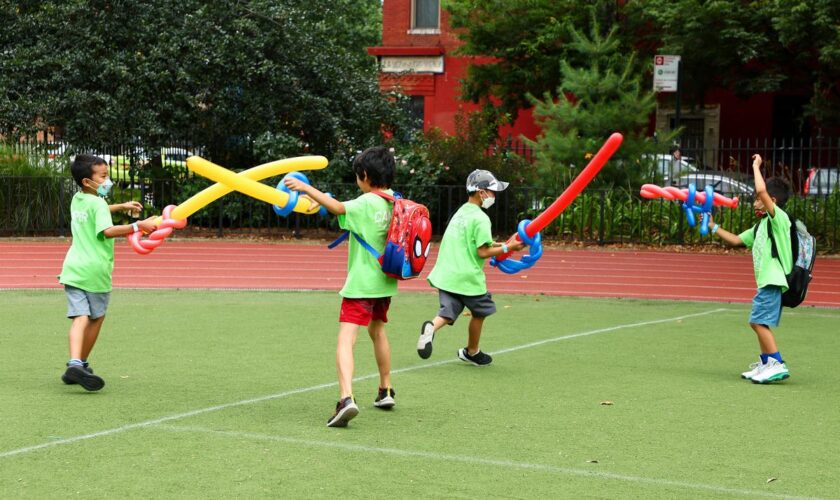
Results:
<point x="478" y="359"/>
<point x="385" y="399"/>
<point x="345" y="410"/>
<point x="78" y="375"/>
<point x="70" y="382"/>
<point x="424" y="343"/>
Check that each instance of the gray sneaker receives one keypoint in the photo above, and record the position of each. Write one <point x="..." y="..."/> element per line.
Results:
<point x="424" y="343"/>
<point x="345" y="410"/>
<point x="478" y="359"/>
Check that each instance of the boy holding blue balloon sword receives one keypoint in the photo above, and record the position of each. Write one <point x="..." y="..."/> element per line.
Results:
<point x="459" y="271"/>
<point x="367" y="291"/>
<point x="89" y="263"/>
<point x="770" y="272"/>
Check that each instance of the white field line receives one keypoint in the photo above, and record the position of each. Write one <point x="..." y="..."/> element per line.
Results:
<point x="507" y="464"/>
<point x="292" y="392"/>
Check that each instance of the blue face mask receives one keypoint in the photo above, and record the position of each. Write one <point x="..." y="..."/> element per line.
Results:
<point x="104" y="189"/>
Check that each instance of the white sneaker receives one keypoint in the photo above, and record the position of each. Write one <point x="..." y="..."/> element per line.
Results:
<point x="424" y="342"/>
<point x="755" y="369"/>
<point x="773" y="371"/>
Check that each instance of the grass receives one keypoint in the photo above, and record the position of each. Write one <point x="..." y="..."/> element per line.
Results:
<point x="214" y="394"/>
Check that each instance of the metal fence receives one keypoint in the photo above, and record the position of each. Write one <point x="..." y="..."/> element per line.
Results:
<point x="40" y="205"/>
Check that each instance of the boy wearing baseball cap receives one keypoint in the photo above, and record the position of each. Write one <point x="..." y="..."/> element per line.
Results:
<point x="459" y="271"/>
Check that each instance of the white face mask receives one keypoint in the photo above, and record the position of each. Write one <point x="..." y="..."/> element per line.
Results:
<point x="488" y="202"/>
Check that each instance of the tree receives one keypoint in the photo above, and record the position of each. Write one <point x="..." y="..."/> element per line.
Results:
<point x="810" y="30"/>
<point x="293" y="73"/>
<point x="520" y="43"/>
<point x="596" y="99"/>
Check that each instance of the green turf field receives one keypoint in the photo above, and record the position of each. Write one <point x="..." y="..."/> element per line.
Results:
<point x="214" y="394"/>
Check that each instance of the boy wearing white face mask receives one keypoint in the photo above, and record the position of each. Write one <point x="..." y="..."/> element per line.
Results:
<point x="89" y="263"/>
<point x="459" y="271"/>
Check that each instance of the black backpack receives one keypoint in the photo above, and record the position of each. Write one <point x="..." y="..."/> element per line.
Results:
<point x="803" y="248"/>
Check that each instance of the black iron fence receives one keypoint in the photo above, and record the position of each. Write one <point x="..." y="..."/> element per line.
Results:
<point x="39" y="205"/>
<point x="32" y="206"/>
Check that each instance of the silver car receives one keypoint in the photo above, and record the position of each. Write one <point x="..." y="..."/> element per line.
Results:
<point x="723" y="184"/>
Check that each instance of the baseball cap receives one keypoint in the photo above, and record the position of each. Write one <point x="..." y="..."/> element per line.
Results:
<point x="483" y="179"/>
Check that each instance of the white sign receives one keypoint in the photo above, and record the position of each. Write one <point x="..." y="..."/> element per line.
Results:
<point x="406" y="64"/>
<point x="665" y="73"/>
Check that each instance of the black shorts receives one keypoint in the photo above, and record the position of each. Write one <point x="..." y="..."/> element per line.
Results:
<point x="452" y="304"/>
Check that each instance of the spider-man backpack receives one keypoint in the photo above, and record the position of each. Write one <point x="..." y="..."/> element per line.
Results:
<point x="408" y="240"/>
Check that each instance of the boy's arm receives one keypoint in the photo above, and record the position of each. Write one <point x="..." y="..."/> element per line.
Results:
<point x="332" y="205"/>
<point x="731" y="239"/>
<point x="129" y="206"/>
<point x="511" y="245"/>
<point x="147" y="226"/>
<point x="761" y="187"/>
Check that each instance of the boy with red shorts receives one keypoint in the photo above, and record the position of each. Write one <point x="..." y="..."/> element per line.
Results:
<point x="367" y="290"/>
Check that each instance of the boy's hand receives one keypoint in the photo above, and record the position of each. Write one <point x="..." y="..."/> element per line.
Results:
<point x="148" y="225"/>
<point x="313" y="205"/>
<point x="132" y="208"/>
<point x="514" y="244"/>
<point x="296" y="184"/>
<point x="756" y="161"/>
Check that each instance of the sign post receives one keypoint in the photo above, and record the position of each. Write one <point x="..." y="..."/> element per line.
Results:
<point x="667" y="78"/>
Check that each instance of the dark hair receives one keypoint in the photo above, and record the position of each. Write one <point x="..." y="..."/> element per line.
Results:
<point x="82" y="167"/>
<point x="377" y="165"/>
<point x="779" y="188"/>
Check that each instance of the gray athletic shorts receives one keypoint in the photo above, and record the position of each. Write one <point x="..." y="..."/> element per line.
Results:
<point x="451" y="305"/>
<point x="82" y="303"/>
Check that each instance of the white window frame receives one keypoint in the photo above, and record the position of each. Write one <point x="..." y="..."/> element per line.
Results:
<point x="422" y="31"/>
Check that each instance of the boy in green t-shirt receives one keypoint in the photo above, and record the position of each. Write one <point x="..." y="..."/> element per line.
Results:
<point x="458" y="273"/>
<point x="87" y="268"/>
<point x="367" y="291"/>
<point x="769" y="271"/>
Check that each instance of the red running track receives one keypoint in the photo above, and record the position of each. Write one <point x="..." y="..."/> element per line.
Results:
<point x="213" y="264"/>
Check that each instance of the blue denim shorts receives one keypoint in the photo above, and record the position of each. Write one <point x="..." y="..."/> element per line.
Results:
<point x="83" y="303"/>
<point x="767" y="306"/>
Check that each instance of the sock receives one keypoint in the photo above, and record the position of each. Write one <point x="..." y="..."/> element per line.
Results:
<point x="75" y="362"/>
<point x="777" y="356"/>
<point x="764" y="358"/>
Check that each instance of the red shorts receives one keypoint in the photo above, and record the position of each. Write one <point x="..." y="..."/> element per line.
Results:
<point x="362" y="311"/>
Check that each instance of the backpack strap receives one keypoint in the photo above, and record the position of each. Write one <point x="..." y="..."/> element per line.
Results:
<point x="365" y="244"/>
<point x="794" y="241"/>
<point x="387" y="196"/>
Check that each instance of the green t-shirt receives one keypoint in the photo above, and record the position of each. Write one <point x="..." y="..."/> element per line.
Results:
<point x="368" y="216"/>
<point x="769" y="270"/>
<point x="459" y="269"/>
<point x="90" y="261"/>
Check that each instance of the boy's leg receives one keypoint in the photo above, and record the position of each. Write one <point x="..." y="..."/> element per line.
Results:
<point x="76" y="336"/>
<point x="480" y="307"/>
<point x="90" y="335"/>
<point x="382" y="351"/>
<point x="347" y="333"/>
<point x="476" y="325"/>
<point x="451" y="306"/>
<point x="766" y="340"/>
<point x="766" y="312"/>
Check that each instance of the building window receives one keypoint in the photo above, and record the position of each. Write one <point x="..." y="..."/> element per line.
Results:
<point x="425" y="16"/>
<point x="415" y="108"/>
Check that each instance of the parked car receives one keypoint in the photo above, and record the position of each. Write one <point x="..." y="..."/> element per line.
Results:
<point x="668" y="168"/>
<point x="723" y="184"/>
<point x="822" y="181"/>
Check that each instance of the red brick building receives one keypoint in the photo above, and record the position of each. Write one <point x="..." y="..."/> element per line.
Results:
<point x="417" y="57"/>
